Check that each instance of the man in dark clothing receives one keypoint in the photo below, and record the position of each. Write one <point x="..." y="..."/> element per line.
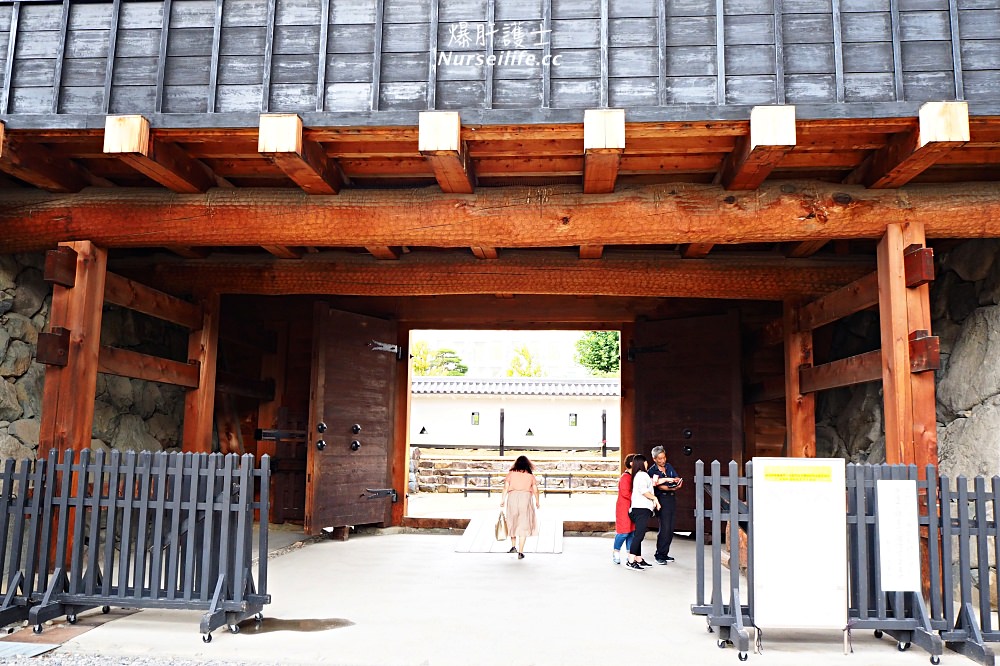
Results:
<point x="665" y="483"/>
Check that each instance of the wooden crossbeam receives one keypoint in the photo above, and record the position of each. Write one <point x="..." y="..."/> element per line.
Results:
<point x="127" y="363"/>
<point x="440" y="142"/>
<point x="925" y="355"/>
<point x="591" y="251"/>
<point x="280" y="139"/>
<point x="942" y="127"/>
<point x="918" y="266"/>
<point x="500" y="217"/>
<point x="514" y="272"/>
<point x="603" y="145"/>
<point x="695" y="250"/>
<point x="772" y="136"/>
<point x="37" y="165"/>
<point x="127" y="293"/>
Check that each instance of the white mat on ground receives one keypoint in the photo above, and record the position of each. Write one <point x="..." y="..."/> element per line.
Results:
<point x="11" y="649"/>
<point x="479" y="538"/>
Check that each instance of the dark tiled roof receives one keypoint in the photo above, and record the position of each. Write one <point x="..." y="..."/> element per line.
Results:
<point x="516" y="386"/>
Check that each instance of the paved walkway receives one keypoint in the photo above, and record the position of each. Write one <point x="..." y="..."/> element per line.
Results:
<point x="408" y="598"/>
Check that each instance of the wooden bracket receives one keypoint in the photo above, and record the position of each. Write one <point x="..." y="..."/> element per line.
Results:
<point x="772" y="136"/>
<point x="440" y="142"/>
<point x="130" y="138"/>
<point x="281" y="139"/>
<point x="603" y="145"/>
<point x="53" y="347"/>
<point x="925" y="351"/>
<point x="918" y="261"/>
<point x="60" y="266"/>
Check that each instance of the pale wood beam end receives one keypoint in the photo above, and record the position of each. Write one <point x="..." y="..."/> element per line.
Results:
<point x="603" y="145"/>
<point x="941" y="127"/>
<point x="130" y="138"/>
<point x="304" y="161"/>
<point x="772" y="136"/>
<point x="440" y="142"/>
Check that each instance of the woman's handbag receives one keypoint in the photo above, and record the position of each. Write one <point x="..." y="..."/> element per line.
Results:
<point x="501" y="527"/>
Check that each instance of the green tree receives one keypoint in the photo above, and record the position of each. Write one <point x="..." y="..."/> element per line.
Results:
<point x="600" y="352"/>
<point x="437" y="362"/>
<point x="523" y="364"/>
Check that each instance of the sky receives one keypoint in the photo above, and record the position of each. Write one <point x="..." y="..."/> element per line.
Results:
<point x="488" y="353"/>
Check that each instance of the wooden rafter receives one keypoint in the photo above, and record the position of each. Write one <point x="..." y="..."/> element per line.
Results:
<point x="485" y="252"/>
<point x="383" y="252"/>
<point x="695" y="250"/>
<point x="284" y="252"/>
<point x="772" y="136"/>
<point x="37" y="165"/>
<point x="603" y="145"/>
<point x="441" y="145"/>
<point x="620" y="274"/>
<point x="941" y="127"/>
<point x="301" y="159"/>
<point x="130" y="138"/>
<point x="805" y="248"/>
<point x="504" y="217"/>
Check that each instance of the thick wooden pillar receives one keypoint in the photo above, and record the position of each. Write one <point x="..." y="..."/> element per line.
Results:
<point x="70" y="390"/>
<point x="399" y="457"/>
<point x="627" y="403"/>
<point x="895" y="334"/>
<point x="199" y="403"/>
<point x="800" y="408"/>
<point x="918" y="314"/>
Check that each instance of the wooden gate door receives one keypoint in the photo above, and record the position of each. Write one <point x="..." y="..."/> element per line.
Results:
<point x="688" y="396"/>
<point x="351" y="411"/>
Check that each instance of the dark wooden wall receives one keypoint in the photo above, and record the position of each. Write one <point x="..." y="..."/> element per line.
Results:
<point x="307" y="56"/>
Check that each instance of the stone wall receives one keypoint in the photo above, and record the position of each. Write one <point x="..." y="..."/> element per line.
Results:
<point x="965" y="311"/>
<point x="129" y="414"/>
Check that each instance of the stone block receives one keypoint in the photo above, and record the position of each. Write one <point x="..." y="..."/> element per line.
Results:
<point x="973" y="259"/>
<point x="973" y="372"/>
<point x="25" y="430"/>
<point x="132" y="435"/>
<point x="21" y="328"/>
<point x="17" y="360"/>
<point x="11" y="447"/>
<point x="10" y="408"/>
<point x="31" y="292"/>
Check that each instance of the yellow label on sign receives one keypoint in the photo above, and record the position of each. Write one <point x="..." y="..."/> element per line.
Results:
<point x="819" y="473"/>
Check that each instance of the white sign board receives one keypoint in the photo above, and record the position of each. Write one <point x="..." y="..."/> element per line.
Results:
<point x="898" y="535"/>
<point x="799" y="543"/>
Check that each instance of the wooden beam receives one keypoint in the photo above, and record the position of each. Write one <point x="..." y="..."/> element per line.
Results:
<point x="918" y="266"/>
<point x="121" y="291"/>
<point x="280" y="139"/>
<point x="925" y="356"/>
<point x="493" y="217"/>
<point x="942" y="127"/>
<point x="772" y="136"/>
<point x="918" y="316"/>
<point x="199" y="403"/>
<point x="804" y="248"/>
<point x="647" y="274"/>
<point x="591" y="251"/>
<point x="896" y="388"/>
<point x="69" y="391"/>
<point x="188" y="252"/>
<point x="484" y="252"/>
<point x="440" y="142"/>
<point x="284" y="252"/>
<point x="603" y="145"/>
<point x="38" y="166"/>
<point x="383" y="252"/>
<point x="695" y="250"/>
<point x="800" y="407"/>
<point x="129" y="138"/>
<point x="127" y="363"/>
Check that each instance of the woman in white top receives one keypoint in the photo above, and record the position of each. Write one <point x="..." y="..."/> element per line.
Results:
<point x="644" y="502"/>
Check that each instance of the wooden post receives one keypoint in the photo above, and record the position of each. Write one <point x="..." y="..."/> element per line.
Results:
<point x="627" y="403"/>
<point x="69" y="392"/>
<point x="800" y="408"/>
<point x="203" y="347"/>
<point x="399" y="457"/>
<point x="892" y="307"/>
<point x="272" y="366"/>
<point x="918" y="314"/>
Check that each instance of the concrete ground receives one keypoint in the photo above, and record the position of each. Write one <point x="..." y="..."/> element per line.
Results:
<point x="400" y="598"/>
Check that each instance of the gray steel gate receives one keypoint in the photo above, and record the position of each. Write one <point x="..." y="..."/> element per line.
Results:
<point x="958" y="535"/>
<point x="160" y="530"/>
